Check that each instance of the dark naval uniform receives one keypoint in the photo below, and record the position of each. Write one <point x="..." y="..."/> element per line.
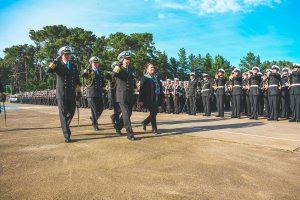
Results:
<point x="236" y="95"/>
<point x="246" y="100"/>
<point x="169" y="96"/>
<point x="94" y="93"/>
<point x="254" y="92"/>
<point x="285" y="98"/>
<point x="273" y="95"/>
<point x="177" y="94"/>
<point x="220" y="95"/>
<point x="125" y="86"/>
<point x="206" y="92"/>
<point x="192" y="90"/>
<point x="67" y="78"/>
<point x="264" y="85"/>
<point x="295" y="95"/>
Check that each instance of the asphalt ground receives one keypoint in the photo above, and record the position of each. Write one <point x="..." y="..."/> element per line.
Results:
<point x="193" y="157"/>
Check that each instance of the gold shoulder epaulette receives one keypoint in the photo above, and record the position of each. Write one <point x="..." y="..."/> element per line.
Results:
<point x="117" y="69"/>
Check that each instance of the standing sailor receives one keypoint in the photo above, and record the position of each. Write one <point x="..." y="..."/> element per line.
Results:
<point x="295" y="93"/>
<point x="254" y="92"/>
<point x="273" y="92"/>
<point x="237" y="93"/>
<point x="206" y="92"/>
<point x="220" y="92"/>
<point x="285" y="97"/>
<point x="192" y="89"/>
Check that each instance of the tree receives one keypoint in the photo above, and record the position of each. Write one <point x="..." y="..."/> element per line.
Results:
<point x="221" y="63"/>
<point x="173" y="68"/>
<point x="183" y="68"/>
<point x="246" y="63"/>
<point x="207" y="65"/>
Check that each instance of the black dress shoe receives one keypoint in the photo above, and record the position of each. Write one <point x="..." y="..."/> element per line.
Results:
<point x="130" y="137"/>
<point x="67" y="140"/>
<point x="217" y="115"/>
<point x="292" y="120"/>
<point x="119" y="133"/>
<point x="232" y="116"/>
<point x="251" y="117"/>
<point x="154" y="131"/>
<point x="270" y="119"/>
<point x="239" y="117"/>
<point x="144" y="127"/>
<point x="204" y="115"/>
<point x="96" y="128"/>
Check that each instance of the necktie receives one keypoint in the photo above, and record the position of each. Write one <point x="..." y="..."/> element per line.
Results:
<point x="68" y="65"/>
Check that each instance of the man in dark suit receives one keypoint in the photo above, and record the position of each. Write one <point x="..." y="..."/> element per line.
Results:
<point x="94" y="89"/>
<point x="67" y="85"/>
<point x="220" y="92"/>
<point x="125" y="87"/>
<point x="206" y="92"/>
<point x="150" y="96"/>
<point x="254" y="92"/>
<point x="273" y="92"/>
<point x="295" y="93"/>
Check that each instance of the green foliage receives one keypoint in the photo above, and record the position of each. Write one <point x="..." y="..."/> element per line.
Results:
<point x="23" y="66"/>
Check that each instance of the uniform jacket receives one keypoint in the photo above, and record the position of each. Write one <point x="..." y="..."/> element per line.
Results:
<point x="295" y="79"/>
<point x="66" y="80"/>
<point x="274" y="79"/>
<point x="192" y="88"/>
<point x="237" y="84"/>
<point x="97" y="86"/>
<point x="255" y="80"/>
<point x="125" y="85"/>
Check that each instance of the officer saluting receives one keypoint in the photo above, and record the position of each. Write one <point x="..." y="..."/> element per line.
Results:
<point x="67" y="84"/>
<point x="237" y="93"/>
<point x="220" y="92"/>
<point x="295" y="93"/>
<point x="254" y="92"/>
<point x="95" y="86"/>
<point x="273" y="92"/>
<point x="285" y="98"/>
<point x="125" y="86"/>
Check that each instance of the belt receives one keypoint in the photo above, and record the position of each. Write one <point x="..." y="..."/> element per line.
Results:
<point x="254" y="86"/>
<point x="273" y="85"/>
<point x="221" y="86"/>
<point x="295" y="84"/>
<point x="205" y="90"/>
<point x="237" y="86"/>
<point x="284" y="86"/>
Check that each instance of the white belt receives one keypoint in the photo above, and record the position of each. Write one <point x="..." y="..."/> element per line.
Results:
<point x="283" y="86"/>
<point x="205" y="90"/>
<point x="237" y="86"/>
<point x="254" y="86"/>
<point x="295" y="84"/>
<point x="273" y="85"/>
<point x="221" y="86"/>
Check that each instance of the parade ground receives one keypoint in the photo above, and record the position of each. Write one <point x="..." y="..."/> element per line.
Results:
<point x="193" y="157"/>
